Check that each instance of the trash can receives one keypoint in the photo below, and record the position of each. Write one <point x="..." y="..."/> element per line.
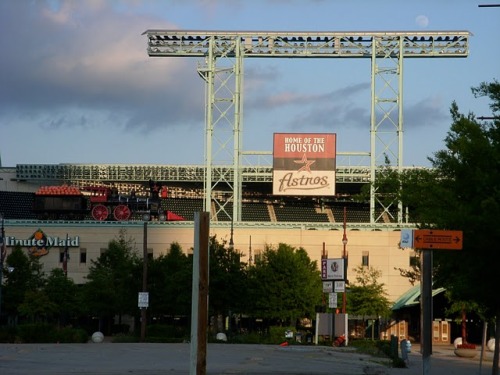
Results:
<point x="298" y="337"/>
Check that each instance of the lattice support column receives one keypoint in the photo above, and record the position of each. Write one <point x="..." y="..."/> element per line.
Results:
<point x="223" y="76"/>
<point x="386" y="128"/>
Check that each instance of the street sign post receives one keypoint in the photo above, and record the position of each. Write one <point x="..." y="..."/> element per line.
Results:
<point x="143" y="300"/>
<point x="437" y="239"/>
<point x="427" y="240"/>
<point x="332" y="269"/>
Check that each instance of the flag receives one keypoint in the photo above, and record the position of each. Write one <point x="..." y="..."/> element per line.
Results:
<point x="174" y="217"/>
<point x="3" y="250"/>
<point x="65" y="256"/>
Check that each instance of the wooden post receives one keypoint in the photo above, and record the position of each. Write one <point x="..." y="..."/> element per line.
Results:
<point x="199" y="306"/>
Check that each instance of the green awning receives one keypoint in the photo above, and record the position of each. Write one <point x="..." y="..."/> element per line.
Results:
<point x="412" y="297"/>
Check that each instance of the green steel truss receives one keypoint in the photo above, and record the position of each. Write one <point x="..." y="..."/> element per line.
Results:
<point x="112" y="173"/>
<point x="225" y="51"/>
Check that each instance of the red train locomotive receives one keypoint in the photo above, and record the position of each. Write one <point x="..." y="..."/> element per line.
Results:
<point x="101" y="203"/>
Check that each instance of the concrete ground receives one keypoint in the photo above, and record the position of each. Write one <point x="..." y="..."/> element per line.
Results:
<point x="151" y="359"/>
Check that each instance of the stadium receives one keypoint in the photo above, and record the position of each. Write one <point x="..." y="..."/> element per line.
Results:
<point x="84" y="206"/>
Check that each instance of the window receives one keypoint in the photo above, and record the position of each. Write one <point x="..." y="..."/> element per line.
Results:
<point x="365" y="260"/>
<point x="83" y="256"/>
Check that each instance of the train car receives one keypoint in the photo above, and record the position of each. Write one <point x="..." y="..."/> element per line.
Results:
<point x="106" y="202"/>
<point x="101" y="202"/>
<point x="60" y="203"/>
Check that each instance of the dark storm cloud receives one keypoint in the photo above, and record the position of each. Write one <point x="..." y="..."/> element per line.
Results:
<point x="346" y="106"/>
<point x="82" y="62"/>
<point x="428" y="112"/>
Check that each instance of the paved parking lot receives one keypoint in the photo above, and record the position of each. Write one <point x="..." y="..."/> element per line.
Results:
<point x="151" y="359"/>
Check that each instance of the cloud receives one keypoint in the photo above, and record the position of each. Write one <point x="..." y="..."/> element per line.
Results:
<point x="429" y="112"/>
<point x="87" y="60"/>
<point x="343" y="106"/>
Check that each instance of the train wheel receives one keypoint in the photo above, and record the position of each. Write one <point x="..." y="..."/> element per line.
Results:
<point x="100" y="212"/>
<point x="162" y="217"/>
<point x="146" y="217"/>
<point x="122" y="212"/>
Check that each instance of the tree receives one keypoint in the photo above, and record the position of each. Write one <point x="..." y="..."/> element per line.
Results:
<point x="169" y="283"/>
<point x="227" y="281"/>
<point x="26" y="275"/>
<point x="462" y="192"/>
<point x="64" y="294"/>
<point x="284" y="284"/>
<point x="367" y="297"/>
<point x="114" y="281"/>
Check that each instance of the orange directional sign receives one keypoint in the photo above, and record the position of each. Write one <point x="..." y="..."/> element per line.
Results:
<point x="437" y="239"/>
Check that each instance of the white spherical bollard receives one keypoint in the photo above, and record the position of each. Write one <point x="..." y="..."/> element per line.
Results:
<point x="221" y="336"/>
<point x="491" y="345"/>
<point x="97" y="337"/>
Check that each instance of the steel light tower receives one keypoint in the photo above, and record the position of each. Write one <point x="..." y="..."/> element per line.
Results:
<point x="224" y="53"/>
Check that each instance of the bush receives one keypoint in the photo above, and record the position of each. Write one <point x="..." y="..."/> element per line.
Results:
<point x="166" y="333"/>
<point x="36" y="333"/>
<point x="246" y="338"/>
<point x="47" y="333"/>
<point x="378" y="348"/>
<point x="125" y="338"/>
<point x="8" y="334"/>
<point x="71" y="335"/>
<point x="277" y="334"/>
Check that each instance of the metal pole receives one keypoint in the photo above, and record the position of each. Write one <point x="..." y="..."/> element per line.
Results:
<point x="426" y="309"/>
<point x="344" y="255"/>
<point x="2" y="256"/>
<point x="144" y="279"/>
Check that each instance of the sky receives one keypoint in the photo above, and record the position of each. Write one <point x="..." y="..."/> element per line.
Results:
<point x="77" y="85"/>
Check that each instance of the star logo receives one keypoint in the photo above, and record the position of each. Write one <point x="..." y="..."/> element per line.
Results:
<point x="306" y="164"/>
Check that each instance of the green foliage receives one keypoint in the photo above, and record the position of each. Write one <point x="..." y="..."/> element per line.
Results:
<point x="63" y="294"/>
<point x="27" y="276"/>
<point x="276" y="334"/>
<point x="71" y="335"/>
<point x="169" y="283"/>
<point x="247" y="338"/>
<point x="8" y="334"/>
<point x="48" y="333"/>
<point x="227" y="279"/>
<point x="37" y="306"/>
<point x="378" y="348"/>
<point x="284" y="284"/>
<point x="167" y="333"/>
<point x="461" y="192"/>
<point x="114" y="280"/>
<point x="367" y="297"/>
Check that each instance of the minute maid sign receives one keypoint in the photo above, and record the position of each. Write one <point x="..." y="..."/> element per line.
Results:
<point x="39" y="243"/>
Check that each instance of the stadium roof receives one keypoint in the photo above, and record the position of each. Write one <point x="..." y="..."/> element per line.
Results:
<point x="412" y="298"/>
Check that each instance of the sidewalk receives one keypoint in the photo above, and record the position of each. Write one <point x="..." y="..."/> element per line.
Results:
<point x="444" y="361"/>
<point x="222" y="359"/>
